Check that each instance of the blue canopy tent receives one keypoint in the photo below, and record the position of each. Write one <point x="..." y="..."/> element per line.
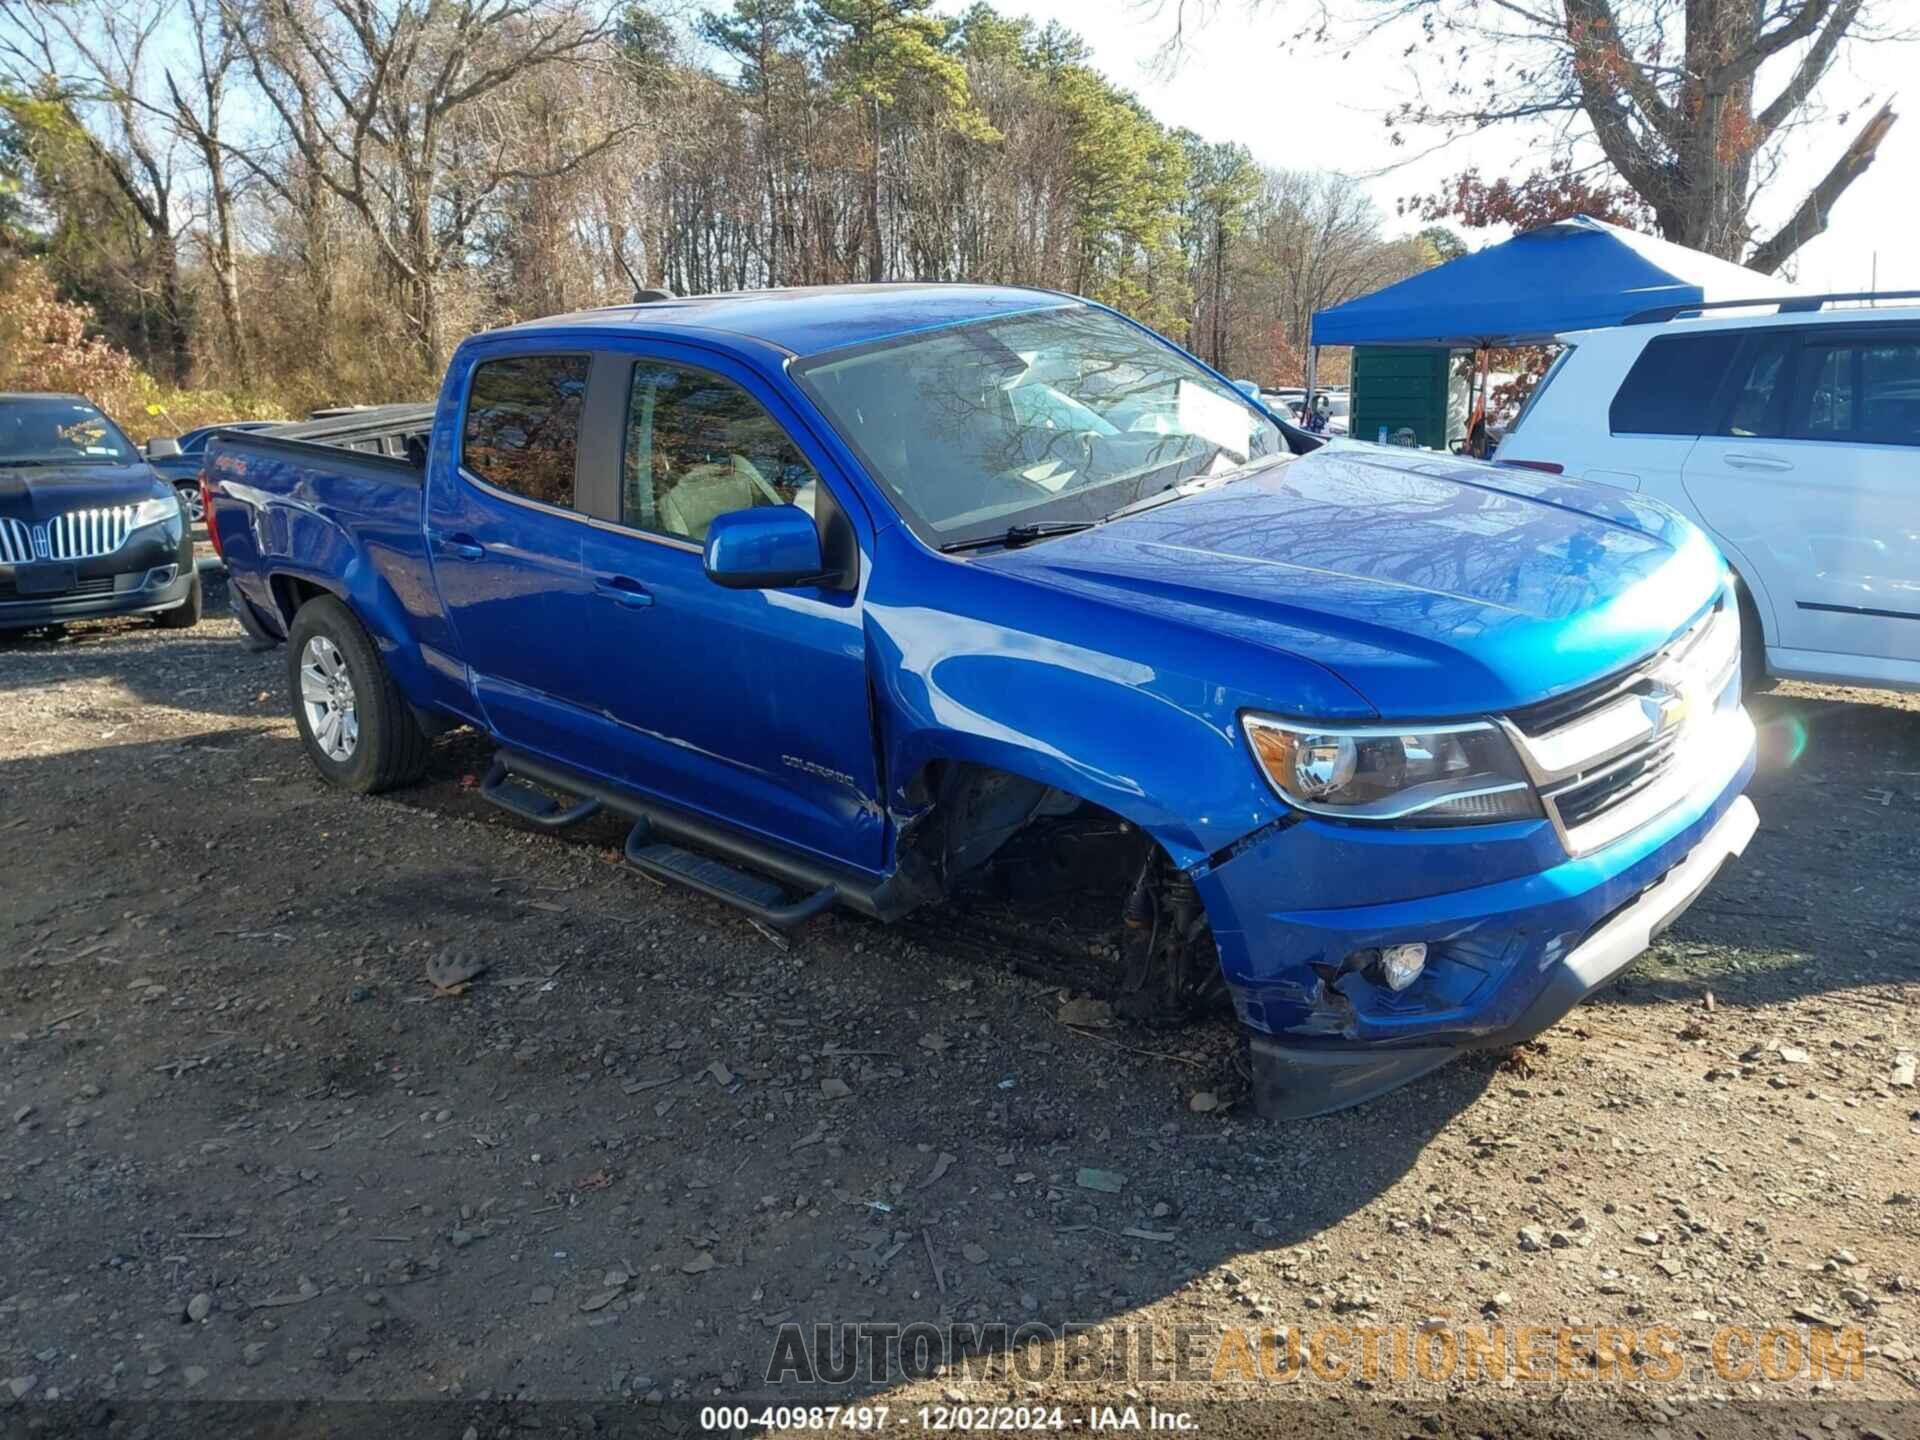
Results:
<point x="1575" y="274"/>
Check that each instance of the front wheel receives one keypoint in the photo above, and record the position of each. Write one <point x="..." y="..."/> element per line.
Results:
<point x="192" y="502"/>
<point x="358" y="730"/>
<point x="186" y="614"/>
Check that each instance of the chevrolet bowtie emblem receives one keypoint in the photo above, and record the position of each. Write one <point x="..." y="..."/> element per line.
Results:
<point x="1666" y="710"/>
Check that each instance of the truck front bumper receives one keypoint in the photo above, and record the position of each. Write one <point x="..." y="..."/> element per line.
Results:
<point x="1293" y="1081"/>
<point x="1505" y="960"/>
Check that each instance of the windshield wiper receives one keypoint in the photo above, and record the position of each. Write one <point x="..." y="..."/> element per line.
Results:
<point x="1194" y="485"/>
<point x="1015" y="536"/>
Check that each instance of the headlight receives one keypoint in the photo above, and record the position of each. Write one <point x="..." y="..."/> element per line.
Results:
<point x="153" y="512"/>
<point x="1436" y="775"/>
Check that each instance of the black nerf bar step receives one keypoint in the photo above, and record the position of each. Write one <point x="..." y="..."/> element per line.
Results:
<point x="753" y="895"/>
<point x="531" y="805"/>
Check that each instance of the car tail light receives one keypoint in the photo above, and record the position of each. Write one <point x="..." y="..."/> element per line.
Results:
<point x="206" y="509"/>
<point x="1547" y="467"/>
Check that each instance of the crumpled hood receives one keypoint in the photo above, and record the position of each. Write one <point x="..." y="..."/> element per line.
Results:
<point x="1432" y="586"/>
<point x="39" y="492"/>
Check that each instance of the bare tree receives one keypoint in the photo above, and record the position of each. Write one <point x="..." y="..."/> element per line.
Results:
<point x="1667" y="90"/>
<point x="95" y="59"/>
<point x="198" y="114"/>
<point x="414" y="136"/>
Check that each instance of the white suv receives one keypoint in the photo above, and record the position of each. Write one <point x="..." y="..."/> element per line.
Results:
<point x="1793" y="437"/>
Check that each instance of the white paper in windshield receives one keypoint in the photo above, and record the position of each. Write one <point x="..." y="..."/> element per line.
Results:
<point x="1214" y="418"/>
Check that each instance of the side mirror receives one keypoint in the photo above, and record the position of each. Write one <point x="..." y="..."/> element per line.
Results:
<point x="770" y="547"/>
<point x="1248" y="388"/>
<point x="164" y="448"/>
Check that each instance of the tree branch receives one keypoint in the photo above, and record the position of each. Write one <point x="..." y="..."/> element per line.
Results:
<point x="1811" y="218"/>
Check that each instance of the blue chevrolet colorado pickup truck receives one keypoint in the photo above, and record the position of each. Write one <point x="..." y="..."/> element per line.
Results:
<point x="866" y="596"/>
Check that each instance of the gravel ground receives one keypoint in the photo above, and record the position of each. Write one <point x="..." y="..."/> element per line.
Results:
<point x="247" y="1153"/>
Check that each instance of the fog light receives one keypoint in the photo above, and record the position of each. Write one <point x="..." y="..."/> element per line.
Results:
<point x="1400" y="965"/>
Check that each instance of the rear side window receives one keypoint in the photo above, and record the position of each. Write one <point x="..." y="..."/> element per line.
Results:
<point x="522" y="432"/>
<point x="1671" y="388"/>
<point x="1553" y="371"/>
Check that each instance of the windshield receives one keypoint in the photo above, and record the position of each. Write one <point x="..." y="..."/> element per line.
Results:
<point x="1063" y="415"/>
<point x="48" y="430"/>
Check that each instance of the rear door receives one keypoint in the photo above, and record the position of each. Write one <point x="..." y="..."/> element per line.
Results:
<point x="748" y="705"/>
<point x="1664" y="404"/>
<point x="505" y="532"/>
<point x="1815" y="475"/>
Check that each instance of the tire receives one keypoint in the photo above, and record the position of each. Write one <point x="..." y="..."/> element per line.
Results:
<point x="1754" y="679"/>
<point x="186" y="614"/>
<point x="191" y="503"/>
<point x="358" y="731"/>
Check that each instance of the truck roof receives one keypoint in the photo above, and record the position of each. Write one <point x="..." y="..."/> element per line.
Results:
<point x="811" y="319"/>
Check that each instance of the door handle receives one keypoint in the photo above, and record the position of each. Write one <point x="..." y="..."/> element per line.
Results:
<point x="623" y="591"/>
<point x="1758" y="462"/>
<point x="459" y="547"/>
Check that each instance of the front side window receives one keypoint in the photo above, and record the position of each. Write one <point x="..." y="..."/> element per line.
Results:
<point x="522" y="431"/>
<point x="47" y="430"/>
<point x="1890" y="392"/>
<point x="1862" y="391"/>
<point x="1065" y="414"/>
<point x="699" y="446"/>
<point x="1826" y="408"/>
<point x="1757" y="403"/>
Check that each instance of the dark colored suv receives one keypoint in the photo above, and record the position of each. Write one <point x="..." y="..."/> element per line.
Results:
<point x="86" y="527"/>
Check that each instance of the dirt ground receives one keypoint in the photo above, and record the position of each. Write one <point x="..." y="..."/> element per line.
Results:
<point x="247" y="1155"/>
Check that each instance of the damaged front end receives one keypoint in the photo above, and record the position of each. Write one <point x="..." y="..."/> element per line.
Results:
<point x="1088" y="885"/>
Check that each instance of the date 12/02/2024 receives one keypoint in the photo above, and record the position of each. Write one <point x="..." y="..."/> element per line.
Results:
<point x="942" y="1418"/>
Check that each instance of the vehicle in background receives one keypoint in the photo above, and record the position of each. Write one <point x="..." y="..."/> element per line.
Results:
<point x="397" y="431"/>
<point x="882" y="596"/>
<point x="87" y="529"/>
<point x="1288" y="402"/>
<point x="1791" y="435"/>
<point x="181" y="468"/>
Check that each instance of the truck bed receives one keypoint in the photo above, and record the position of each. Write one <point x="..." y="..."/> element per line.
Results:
<point x="312" y="508"/>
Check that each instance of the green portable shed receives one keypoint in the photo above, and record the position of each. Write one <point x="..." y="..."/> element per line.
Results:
<point x="1400" y="386"/>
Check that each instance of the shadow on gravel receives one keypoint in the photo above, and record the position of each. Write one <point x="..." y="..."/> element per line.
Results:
<point x="1822" y="901"/>
<point x="193" y="670"/>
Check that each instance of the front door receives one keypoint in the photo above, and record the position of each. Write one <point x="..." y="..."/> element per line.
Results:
<point x="747" y="705"/>
<point x="505" y="538"/>
<point x="1814" y="477"/>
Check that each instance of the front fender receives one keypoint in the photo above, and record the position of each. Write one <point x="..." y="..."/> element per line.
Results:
<point x="1126" y="710"/>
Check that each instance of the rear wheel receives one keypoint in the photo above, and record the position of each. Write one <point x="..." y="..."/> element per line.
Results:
<point x="358" y="730"/>
<point x="186" y="614"/>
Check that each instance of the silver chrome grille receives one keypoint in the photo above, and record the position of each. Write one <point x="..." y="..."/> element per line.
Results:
<point x="76" y="535"/>
<point x="85" y="534"/>
<point x="1629" y="747"/>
